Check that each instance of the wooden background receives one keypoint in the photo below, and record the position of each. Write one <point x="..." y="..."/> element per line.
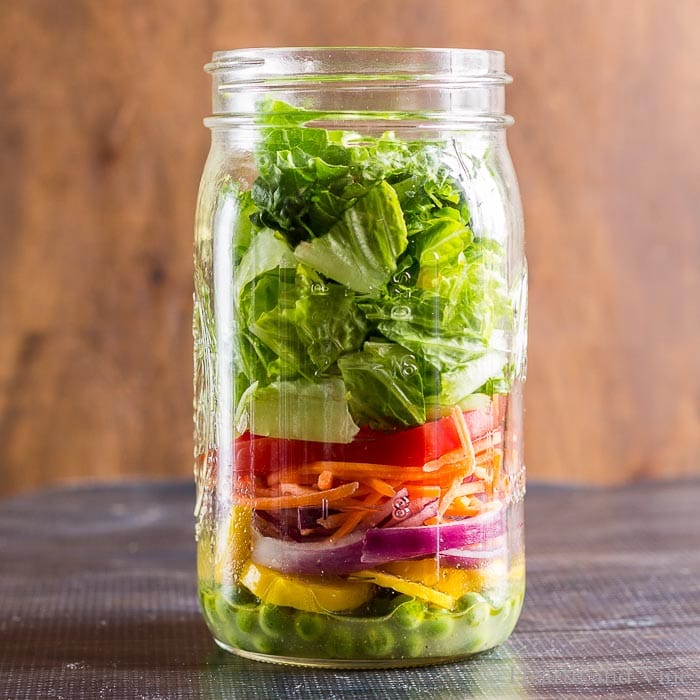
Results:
<point x="101" y="148"/>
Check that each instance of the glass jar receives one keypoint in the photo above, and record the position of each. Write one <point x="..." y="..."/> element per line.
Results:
<point x="360" y="335"/>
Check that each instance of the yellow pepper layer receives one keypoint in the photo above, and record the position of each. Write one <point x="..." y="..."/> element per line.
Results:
<point x="331" y="594"/>
<point x="233" y="549"/>
<point x="412" y="588"/>
<point x="447" y="579"/>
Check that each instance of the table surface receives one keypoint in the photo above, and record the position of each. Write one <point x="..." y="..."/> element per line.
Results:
<point x="98" y="600"/>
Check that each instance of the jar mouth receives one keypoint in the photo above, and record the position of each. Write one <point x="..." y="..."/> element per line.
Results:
<point x="272" y="66"/>
<point x="460" y="88"/>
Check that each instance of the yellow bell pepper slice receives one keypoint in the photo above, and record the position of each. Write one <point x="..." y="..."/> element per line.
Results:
<point x="412" y="588"/>
<point x="312" y="594"/>
<point x="447" y="579"/>
<point x="233" y="544"/>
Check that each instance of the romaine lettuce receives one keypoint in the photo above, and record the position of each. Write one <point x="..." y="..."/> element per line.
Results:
<point x="385" y="386"/>
<point x="362" y="294"/>
<point x="297" y="410"/>
<point x="361" y="249"/>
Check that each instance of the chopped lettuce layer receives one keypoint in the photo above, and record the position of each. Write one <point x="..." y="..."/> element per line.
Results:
<point x="362" y="294"/>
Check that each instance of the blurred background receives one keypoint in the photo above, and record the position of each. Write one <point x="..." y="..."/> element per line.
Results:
<point x="101" y="150"/>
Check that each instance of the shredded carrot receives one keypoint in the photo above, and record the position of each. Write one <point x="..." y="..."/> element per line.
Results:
<point x="325" y="479"/>
<point x="449" y="458"/>
<point x="348" y="504"/>
<point x="481" y="473"/>
<point x="497" y="459"/>
<point x="457" y="490"/>
<point x="470" y="488"/>
<point x="290" y="489"/>
<point x="431" y="521"/>
<point x="306" y="499"/>
<point x="464" y="436"/>
<point x="448" y="497"/>
<point x="462" y="506"/>
<point x="361" y="471"/>
<point x="487" y="442"/>
<point x="355" y="518"/>
<point x="424" y="491"/>
<point x="485" y="459"/>
<point x="380" y="486"/>
<point x="289" y="476"/>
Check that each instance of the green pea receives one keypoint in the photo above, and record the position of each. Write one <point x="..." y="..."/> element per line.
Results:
<point x="225" y="611"/>
<point x="261" y="644"/>
<point x="382" y="603"/>
<point x="476" y="609"/>
<point x="240" y="595"/>
<point x="274" y="620"/>
<point x="208" y="600"/>
<point x="377" y="640"/>
<point x="438" y="626"/>
<point x="412" y="645"/>
<point x="478" y="643"/>
<point x="340" y="643"/>
<point x="247" y="618"/>
<point x="409" y="613"/>
<point x="309" y="626"/>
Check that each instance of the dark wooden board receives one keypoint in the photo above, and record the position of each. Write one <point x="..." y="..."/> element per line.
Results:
<point x="98" y="600"/>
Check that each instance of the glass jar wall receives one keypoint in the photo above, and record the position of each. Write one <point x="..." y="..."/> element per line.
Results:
<point x="360" y="336"/>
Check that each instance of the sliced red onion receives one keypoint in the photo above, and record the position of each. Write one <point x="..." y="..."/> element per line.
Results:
<point x="464" y="542"/>
<point x="471" y="558"/>
<point x="321" y="557"/>
<point x="392" y="543"/>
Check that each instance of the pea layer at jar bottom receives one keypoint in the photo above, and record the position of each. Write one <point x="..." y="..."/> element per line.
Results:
<point x="390" y="629"/>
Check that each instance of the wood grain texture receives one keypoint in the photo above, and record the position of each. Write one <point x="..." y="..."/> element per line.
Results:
<point x="98" y="599"/>
<point x="101" y="148"/>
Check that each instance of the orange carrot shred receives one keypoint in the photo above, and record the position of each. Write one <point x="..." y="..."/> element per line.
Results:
<point x="355" y="518"/>
<point x="491" y="439"/>
<point x="325" y="479"/>
<point x="380" y="486"/>
<point x="457" y="490"/>
<point x="464" y="436"/>
<point x="462" y="506"/>
<point x="424" y="491"/>
<point x="449" y="458"/>
<point x="361" y="471"/>
<point x="482" y="473"/>
<point x="290" y="489"/>
<point x="307" y="499"/>
<point x="497" y="458"/>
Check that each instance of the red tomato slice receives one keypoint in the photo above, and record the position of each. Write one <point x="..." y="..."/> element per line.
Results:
<point x="412" y="447"/>
<point x="261" y="455"/>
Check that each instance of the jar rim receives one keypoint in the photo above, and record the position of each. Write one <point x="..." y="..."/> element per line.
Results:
<point x="461" y="66"/>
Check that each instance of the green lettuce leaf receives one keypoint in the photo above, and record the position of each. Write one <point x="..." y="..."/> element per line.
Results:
<point x="442" y="351"/>
<point x="301" y="324"/>
<point x="361" y="249"/>
<point x="328" y="319"/>
<point x="457" y="384"/>
<point x="385" y="386"/>
<point x="297" y="410"/>
<point x="265" y="252"/>
<point x="358" y="275"/>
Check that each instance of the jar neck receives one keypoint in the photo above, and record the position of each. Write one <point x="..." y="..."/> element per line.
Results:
<point x="462" y="87"/>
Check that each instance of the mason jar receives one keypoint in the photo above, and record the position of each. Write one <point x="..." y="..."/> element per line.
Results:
<point x="359" y="345"/>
